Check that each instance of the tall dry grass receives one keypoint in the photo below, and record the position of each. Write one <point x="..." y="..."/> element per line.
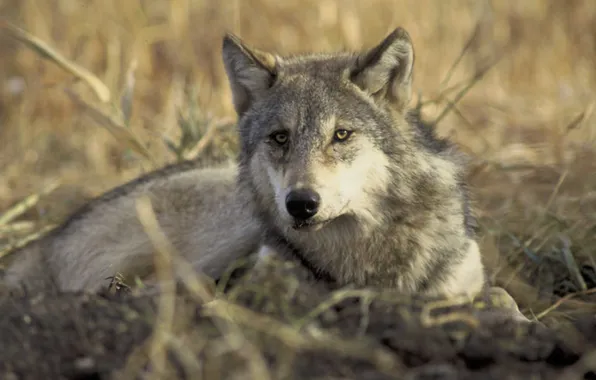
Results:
<point x="528" y="123"/>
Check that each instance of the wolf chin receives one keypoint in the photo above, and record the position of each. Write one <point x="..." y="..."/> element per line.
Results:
<point x="344" y="176"/>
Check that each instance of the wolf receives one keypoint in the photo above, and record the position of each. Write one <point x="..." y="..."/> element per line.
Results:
<point x="335" y="171"/>
<point x="345" y="177"/>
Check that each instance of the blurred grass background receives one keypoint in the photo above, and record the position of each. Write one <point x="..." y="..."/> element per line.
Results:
<point x="528" y="123"/>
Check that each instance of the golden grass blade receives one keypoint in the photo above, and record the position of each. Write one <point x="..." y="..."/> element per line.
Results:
<point x="461" y="55"/>
<point x="471" y="83"/>
<point x="313" y="339"/>
<point x="126" y="100"/>
<point x="26" y="240"/>
<point x="207" y="138"/>
<point x="337" y="297"/>
<point x="24" y="205"/>
<point x="571" y="263"/>
<point x="120" y="132"/>
<point x="165" y="276"/>
<point x="44" y="50"/>
<point x="563" y="300"/>
<point x="16" y="227"/>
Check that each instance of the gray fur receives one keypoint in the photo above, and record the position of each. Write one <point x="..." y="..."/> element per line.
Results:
<point x="198" y="208"/>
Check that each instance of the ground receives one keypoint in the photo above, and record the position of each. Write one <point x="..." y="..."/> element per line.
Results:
<point x="511" y="83"/>
<point x="272" y="323"/>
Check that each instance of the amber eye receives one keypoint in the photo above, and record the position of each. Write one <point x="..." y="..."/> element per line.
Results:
<point x="341" y="135"/>
<point x="280" y="137"/>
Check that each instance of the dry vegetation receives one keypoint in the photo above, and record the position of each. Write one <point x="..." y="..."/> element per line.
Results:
<point x="512" y="82"/>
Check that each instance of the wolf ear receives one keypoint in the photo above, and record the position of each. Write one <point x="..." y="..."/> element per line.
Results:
<point x="250" y="72"/>
<point x="385" y="71"/>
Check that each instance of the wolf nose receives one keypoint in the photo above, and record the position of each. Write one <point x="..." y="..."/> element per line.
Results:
<point x="303" y="204"/>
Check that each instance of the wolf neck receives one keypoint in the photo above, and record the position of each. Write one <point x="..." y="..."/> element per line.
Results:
<point x="404" y="253"/>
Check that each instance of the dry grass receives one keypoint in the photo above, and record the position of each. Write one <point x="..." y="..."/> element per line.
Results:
<point x="516" y="77"/>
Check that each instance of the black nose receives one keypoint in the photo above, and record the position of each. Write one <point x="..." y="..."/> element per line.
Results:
<point x="303" y="203"/>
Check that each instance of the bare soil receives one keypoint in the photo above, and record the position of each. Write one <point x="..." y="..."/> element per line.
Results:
<point x="294" y="328"/>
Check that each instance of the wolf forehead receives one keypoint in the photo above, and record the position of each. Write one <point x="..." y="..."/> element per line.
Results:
<point x="330" y="66"/>
<point x="313" y="88"/>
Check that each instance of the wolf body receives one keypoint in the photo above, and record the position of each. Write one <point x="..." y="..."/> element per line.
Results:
<point x="334" y="171"/>
<point x="197" y="209"/>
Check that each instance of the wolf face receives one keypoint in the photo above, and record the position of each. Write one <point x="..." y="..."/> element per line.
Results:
<point x="317" y="130"/>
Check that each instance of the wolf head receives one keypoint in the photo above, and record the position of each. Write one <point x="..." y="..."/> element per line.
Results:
<point x="317" y="131"/>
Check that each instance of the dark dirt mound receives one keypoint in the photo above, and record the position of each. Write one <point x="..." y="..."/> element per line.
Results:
<point x="274" y="324"/>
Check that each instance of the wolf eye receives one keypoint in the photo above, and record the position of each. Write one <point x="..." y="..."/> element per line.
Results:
<point x="280" y="137"/>
<point x="341" y="135"/>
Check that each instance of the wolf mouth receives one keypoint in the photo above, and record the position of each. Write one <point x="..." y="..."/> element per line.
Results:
<point x="306" y="225"/>
<point x="312" y="225"/>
